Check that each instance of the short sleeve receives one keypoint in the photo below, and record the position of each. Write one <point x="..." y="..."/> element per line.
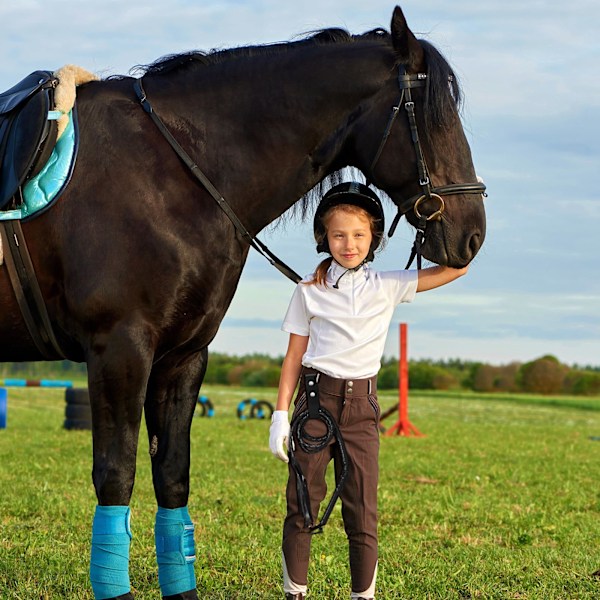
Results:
<point x="296" y="319"/>
<point x="402" y="285"/>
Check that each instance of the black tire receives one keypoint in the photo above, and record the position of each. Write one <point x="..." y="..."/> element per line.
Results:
<point x="78" y="424"/>
<point x="78" y="412"/>
<point x="77" y="396"/>
<point x="206" y="407"/>
<point x="261" y="410"/>
<point x="242" y="405"/>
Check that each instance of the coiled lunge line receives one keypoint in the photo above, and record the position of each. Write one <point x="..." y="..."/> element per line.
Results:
<point x="311" y="445"/>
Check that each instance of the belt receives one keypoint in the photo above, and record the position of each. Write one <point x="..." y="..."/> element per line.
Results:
<point x="342" y="387"/>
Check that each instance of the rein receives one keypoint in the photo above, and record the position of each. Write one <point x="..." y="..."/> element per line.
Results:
<point x="311" y="445"/>
<point x="220" y="200"/>
<point x="406" y="82"/>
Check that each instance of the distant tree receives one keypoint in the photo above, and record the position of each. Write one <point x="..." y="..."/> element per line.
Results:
<point x="544" y="375"/>
<point x="422" y="375"/>
<point x="265" y="377"/>
<point x="506" y="378"/>
<point x="235" y="374"/>
<point x="444" y="380"/>
<point x="388" y="377"/>
<point x="582" y="382"/>
<point x="483" y="377"/>
<point x="491" y="378"/>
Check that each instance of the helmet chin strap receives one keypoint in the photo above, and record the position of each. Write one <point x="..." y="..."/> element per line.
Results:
<point x="335" y="285"/>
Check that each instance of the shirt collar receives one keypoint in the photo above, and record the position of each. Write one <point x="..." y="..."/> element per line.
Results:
<point x="336" y="271"/>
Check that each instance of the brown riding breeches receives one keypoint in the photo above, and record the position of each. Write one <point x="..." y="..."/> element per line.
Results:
<point x="353" y="404"/>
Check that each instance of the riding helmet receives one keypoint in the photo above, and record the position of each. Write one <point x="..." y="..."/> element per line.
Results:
<point x="356" y="194"/>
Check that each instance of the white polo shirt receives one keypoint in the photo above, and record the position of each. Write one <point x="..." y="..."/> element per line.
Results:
<point x="347" y="327"/>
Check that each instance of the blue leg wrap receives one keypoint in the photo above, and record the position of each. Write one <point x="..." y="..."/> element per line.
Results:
<point x="175" y="550"/>
<point x="109" y="566"/>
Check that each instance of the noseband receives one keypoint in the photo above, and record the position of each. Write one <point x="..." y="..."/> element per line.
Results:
<point x="407" y="81"/>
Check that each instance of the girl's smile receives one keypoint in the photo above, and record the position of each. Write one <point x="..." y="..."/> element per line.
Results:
<point x="349" y="237"/>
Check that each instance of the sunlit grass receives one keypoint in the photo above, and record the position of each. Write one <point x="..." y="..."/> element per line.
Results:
<point x="500" y="499"/>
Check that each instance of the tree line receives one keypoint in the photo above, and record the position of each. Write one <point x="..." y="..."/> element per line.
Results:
<point x="544" y="375"/>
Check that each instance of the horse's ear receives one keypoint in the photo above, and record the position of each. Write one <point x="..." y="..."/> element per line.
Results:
<point x="405" y="43"/>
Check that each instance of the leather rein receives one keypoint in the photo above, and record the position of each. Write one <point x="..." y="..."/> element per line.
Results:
<point x="406" y="82"/>
<point x="220" y="200"/>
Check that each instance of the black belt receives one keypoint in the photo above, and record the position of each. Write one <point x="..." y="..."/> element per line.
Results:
<point x="311" y="445"/>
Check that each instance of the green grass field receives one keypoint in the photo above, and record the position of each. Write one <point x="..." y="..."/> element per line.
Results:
<point x="501" y="499"/>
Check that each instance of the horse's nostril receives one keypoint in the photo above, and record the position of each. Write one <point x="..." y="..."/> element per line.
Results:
<point x="474" y="244"/>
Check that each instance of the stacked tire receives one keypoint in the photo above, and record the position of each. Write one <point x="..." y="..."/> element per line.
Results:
<point x="78" y="412"/>
<point x="204" y="407"/>
<point x="259" y="409"/>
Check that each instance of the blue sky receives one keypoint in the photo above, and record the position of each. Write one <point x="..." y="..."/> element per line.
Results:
<point x="530" y="77"/>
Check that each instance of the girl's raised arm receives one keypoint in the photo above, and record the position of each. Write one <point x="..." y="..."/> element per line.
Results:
<point x="434" y="277"/>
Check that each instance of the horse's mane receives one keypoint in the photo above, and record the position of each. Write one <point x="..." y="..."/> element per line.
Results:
<point x="185" y="60"/>
<point x="443" y="94"/>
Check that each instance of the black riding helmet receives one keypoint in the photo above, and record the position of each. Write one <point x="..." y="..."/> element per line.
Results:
<point x="356" y="194"/>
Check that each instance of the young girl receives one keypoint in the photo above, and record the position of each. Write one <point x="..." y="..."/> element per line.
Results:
<point x="338" y="320"/>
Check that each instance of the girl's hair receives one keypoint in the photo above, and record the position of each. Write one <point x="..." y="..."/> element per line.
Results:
<point x="320" y="274"/>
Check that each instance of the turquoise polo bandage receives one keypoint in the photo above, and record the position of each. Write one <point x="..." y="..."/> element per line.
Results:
<point x="109" y="566"/>
<point x="175" y="550"/>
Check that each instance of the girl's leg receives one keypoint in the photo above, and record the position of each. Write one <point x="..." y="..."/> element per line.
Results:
<point x="296" y="537"/>
<point x="359" y="426"/>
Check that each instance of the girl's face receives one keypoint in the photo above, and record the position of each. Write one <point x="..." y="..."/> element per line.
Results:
<point x="349" y="236"/>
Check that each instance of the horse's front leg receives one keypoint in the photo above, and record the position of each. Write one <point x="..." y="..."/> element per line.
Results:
<point x="171" y="400"/>
<point x="118" y="370"/>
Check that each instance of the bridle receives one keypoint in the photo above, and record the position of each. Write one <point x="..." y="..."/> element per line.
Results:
<point x="407" y="81"/>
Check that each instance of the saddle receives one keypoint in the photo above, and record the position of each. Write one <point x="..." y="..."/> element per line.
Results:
<point x="27" y="136"/>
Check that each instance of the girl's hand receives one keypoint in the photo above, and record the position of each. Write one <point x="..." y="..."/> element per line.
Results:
<point x="279" y="434"/>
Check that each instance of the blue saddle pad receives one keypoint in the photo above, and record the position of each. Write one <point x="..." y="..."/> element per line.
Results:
<point x="43" y="189"/>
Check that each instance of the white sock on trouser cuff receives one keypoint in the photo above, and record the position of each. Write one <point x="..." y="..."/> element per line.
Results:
<point x="289" y="587"/>
<point x="369" y="592"/>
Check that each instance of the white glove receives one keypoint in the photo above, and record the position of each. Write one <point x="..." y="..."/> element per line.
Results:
<point x="279" y="434"/>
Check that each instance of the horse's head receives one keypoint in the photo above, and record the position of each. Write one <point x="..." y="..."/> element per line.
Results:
<point x="410" y="143"/>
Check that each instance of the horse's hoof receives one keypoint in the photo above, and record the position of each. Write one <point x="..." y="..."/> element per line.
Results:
<point x="127" y="596"/>
<point x="191" y="595"/>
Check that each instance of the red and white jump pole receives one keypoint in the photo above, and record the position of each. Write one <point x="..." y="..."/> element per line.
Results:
<point x="403" y="426"/>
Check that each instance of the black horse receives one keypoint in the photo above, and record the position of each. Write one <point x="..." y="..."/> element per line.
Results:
<point x="138" y="264"/>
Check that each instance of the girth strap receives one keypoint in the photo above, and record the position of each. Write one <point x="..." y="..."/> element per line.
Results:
<point x="27" y="290"/>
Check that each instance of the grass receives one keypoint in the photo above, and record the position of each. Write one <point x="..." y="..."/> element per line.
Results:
<point x="499" y="500"/>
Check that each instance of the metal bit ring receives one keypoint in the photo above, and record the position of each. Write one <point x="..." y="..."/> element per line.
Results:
<point x="437" y="215"/>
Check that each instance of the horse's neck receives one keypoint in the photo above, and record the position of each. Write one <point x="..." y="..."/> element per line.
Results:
<point x="271" y="120"/>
